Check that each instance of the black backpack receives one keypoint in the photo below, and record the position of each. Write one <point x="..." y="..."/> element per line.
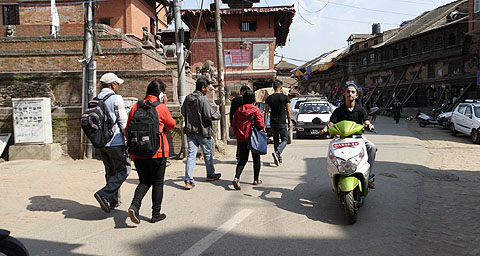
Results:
<point x="96" y="122"/>
<point x="144" y="137"/>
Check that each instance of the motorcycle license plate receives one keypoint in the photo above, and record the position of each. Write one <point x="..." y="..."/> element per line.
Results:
<point x="314" y="131"/>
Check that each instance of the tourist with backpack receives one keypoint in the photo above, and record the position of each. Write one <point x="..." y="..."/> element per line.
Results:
<point x="148" y="147"/>
<point x="244" y="119"/>
<point x="198" y="115"/>
<point x="113" y="153"/>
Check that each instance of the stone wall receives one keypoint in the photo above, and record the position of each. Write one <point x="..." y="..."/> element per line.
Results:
<point x="64" y="88"/>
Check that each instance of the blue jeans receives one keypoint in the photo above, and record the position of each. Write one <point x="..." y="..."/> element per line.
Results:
<point x="195" y="140"/>
<point x="279" y="132"/>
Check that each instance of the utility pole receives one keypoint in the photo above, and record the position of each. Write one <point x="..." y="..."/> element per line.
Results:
<point x="89" y="72"/>
<point x="220" y="73"/>
<point x="181" y="87"/>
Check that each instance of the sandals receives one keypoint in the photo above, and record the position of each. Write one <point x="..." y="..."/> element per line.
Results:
<point x="257" y="182"/>
<point x="236" y="184"/>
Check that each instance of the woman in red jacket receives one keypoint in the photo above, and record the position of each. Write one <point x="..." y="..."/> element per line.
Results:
<point x="242" y="126"/>
<point x="151" y="170"/>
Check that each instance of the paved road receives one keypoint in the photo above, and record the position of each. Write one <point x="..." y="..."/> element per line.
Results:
<point x="50" y="206"/>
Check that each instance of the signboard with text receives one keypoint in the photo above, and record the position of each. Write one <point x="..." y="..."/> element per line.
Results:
<point x="237" y="58"/>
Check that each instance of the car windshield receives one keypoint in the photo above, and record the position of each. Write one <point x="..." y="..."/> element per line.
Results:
<point x="476" y="110"/>
<point x="297" y="104"/>
<point x="315" y="108"/>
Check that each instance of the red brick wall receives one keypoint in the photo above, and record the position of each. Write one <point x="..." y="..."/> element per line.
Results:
<point x="40" y="14"/>
<point x="44" y="30"/>
<point x="231" y="26"/>
<point x="202" y="51"/>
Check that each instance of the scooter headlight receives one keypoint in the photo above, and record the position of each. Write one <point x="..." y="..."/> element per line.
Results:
<point x="349" y="166"/>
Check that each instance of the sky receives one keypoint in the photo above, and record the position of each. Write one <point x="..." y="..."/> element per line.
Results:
<point x="320" y="26"/>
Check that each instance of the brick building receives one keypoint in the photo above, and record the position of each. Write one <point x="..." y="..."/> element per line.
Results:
<point x="425" y="62"/>
<point x="250" y="36"/>
<point x="31" y="56"/>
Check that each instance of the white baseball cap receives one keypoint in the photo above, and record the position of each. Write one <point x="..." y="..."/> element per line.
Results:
<point x="109" y="78"/>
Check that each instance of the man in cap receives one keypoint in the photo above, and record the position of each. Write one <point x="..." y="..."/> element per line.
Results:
<point x="114" y="155"/>
<point x="352" y="111"/>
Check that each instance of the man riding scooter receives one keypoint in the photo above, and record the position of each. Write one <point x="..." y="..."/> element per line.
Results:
<point x="352" y="111"/>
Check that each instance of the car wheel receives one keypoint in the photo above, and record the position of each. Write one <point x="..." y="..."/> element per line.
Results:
<point x="453" y="132"/>
<point x="422" y="124"/>
<point x="475" y="136"/>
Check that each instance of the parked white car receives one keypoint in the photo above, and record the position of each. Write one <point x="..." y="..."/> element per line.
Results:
<point x="294" y="108"/>
<point x="312" y="117"/>
<point x="466" y="119"/>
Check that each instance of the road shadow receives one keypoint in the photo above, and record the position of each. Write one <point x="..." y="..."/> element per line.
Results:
<point x="74" y="210"/>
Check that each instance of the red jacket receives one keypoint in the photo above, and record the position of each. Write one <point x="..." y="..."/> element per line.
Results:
<point x="165" y="121"/>
<point x="242" y="121"/>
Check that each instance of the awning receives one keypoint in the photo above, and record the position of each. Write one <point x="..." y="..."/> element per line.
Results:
<point x="321" y="63"/>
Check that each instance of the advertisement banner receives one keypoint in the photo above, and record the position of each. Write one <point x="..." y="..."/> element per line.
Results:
<point x="237" y="58"/>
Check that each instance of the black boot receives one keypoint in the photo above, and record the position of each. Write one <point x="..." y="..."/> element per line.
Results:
<point x="134" y="215"/>
<point x="159" y="217"/>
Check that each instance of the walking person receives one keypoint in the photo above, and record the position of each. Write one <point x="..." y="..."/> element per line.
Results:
<point x="114" y="155"/>
<point x="150" y="168"/>
<point x="397" y="109"/>
<point x="245" y="117"/>
<point x="198" y="115"/>
<point x="236" y="103"/>
<point x="280" y="121"/>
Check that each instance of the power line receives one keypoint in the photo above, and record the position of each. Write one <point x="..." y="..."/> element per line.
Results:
<point x="367" y="9"/>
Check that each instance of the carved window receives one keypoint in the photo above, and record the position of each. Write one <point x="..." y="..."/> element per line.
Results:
<point x="404" y="51"/>
<point x="364" y="61"/>
<point x="375" y="42"/>
<point x="10" y="15"/>
<point x="249" y="26"/>
<point x="452" y="40"/>
<point x="425" y="46"/>
<point x="431" y="70"/>
<point x="395" y="53"/>
<point x="455" y="68"/>
<point x="104" y="21"/>
<point x="438" y="42"/>
<point x="414" y="47"/>
<point x="210" y="26"/>
<point x="365" y="45"/>
<point x="372" y="58"/>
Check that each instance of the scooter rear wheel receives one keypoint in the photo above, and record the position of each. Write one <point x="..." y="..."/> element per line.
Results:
<point x="351" y="208"/>
<point x="422" y="124"/>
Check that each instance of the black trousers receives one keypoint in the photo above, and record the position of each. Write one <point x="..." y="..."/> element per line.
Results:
<point x="117" y="169"/>
<point x="243" y="152"/>
<point x="151" y="173"/>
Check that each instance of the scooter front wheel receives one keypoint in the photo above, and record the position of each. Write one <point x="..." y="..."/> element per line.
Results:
<point x="12" y="247"/>
<point x="350" y="207"/>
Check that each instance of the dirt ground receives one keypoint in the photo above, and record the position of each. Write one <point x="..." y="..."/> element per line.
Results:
<point x="449" y="208"/>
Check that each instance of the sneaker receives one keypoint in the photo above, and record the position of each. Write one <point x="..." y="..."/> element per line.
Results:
<point x="114" y="205"/>
<point x="216" y="176"/>
<point x="371" y="181"/>
<point x="158" y="218"/>
<point x="189" y="185"/>
<point x="275" y="159"/>
<point x="280" y="161"/>
<point x="371" y="185"/>
<point x="103" y="202"/>
<point x="134" y="215"/>
<point x="236" y="184"/>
